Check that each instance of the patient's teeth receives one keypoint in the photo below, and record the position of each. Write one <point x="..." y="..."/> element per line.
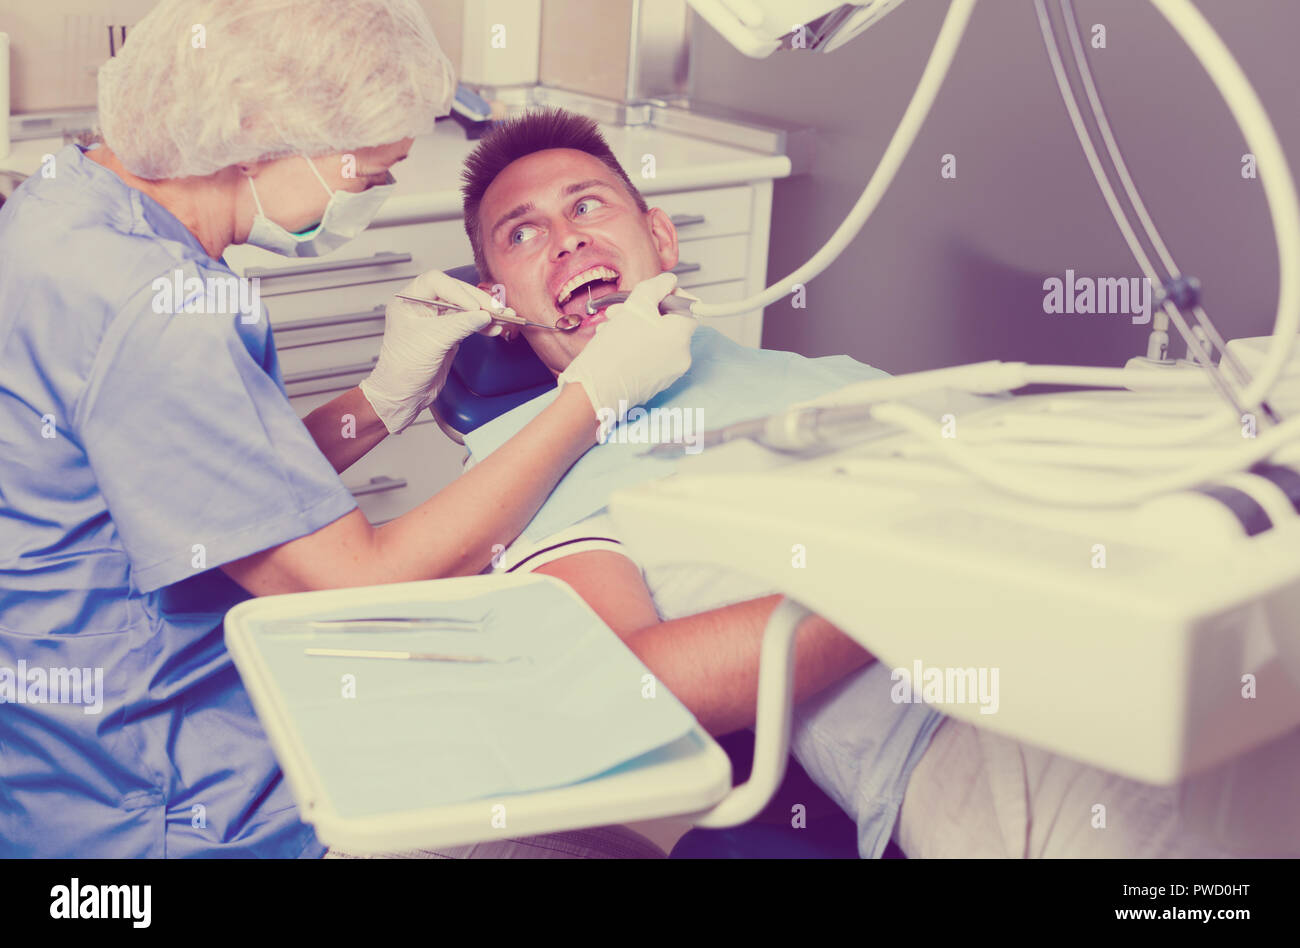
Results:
<point x="586" y="276"/>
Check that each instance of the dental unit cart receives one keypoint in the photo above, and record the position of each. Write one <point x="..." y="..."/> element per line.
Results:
<point x="1154" y="640"/>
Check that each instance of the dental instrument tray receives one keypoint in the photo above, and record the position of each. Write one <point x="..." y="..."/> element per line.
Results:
<point x="512" y="711"/>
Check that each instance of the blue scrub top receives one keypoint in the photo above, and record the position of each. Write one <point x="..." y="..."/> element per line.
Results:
<point x="139" y="451"/>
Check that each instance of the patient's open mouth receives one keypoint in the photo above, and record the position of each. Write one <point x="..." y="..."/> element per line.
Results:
<point x="592" y="283"/>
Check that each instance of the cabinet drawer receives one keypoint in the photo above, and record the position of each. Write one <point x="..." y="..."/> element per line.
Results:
<point x="308" y="389"/>
<point x="314" y="306"/>
<point x="329" y="341"/>
<point x="309" y="332"/>
<point x="297" y="360"/>
<point x="403" y="471"/>
<point x="362" y="274"/>
<point x="712" y="260"/>
<point x="423" y="242"/>
<point x="716" y="212"/>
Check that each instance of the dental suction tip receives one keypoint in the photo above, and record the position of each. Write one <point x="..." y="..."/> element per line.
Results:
<point x="595" y="306"/>
<point x="679" y="305"/>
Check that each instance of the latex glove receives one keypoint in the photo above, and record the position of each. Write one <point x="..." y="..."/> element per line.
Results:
<point x="635" y="354"/>
<point x="419" y="346"/>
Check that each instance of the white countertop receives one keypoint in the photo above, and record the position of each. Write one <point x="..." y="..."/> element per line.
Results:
<point x="428" y="181"/>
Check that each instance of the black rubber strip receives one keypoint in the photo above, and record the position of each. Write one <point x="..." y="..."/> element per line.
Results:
<point x="556" y="546"/>
<point x="1244" y="507"/>
<point x="1286" y="478"/>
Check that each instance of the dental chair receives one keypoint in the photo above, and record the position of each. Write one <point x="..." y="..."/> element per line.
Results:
<point x="490" y="376"/>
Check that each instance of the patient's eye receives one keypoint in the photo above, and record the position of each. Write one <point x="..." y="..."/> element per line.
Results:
<point x="590" y="202"/>
<point x="522" y="233"/>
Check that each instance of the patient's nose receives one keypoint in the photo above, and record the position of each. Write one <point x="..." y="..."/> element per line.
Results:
<point x="570" y="238"/>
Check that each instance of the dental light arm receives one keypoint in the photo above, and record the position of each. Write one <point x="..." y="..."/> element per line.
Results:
<point x="755" y="27"/>
<point x="950" y="34"/>
<point x="760" y="27"/>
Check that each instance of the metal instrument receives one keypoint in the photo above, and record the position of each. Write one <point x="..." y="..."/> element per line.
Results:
<point x="669" y="304"/>
<point x="403" y="656"/>
<point x="566" y="323"/>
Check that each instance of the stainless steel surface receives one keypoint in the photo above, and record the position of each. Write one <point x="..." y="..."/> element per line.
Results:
<point x="645" y="48"/>
<point x="713" y="123"/>
<point x="739" y="130"/>
<point x="660" y="62"/>
<point x="519" y="99"/>
<point x="670" y="113"/>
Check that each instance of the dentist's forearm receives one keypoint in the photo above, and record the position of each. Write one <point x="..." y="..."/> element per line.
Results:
<point x="346" y="428"/>
<point x="710" y="660"/>
<point x="454" y="532"/>
<point x="450" y="534"/>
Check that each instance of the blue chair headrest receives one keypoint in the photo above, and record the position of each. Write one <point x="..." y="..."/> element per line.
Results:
<point x="488" y="377"/>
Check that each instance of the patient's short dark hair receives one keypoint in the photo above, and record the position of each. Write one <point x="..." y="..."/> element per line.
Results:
<point x="517" y="138"/>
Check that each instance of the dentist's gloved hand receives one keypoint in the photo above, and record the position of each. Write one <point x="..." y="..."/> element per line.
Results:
<point x="635" y="354"/>
<point x="419" y="346"/>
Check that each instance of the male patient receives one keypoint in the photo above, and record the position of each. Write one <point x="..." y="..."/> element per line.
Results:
<point x="555" y="220"/>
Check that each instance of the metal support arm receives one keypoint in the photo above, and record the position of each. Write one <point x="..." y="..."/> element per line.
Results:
<point x="772" y="726"/>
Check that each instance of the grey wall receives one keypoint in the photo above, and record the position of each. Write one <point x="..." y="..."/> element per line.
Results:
<point x="951" y="271"/>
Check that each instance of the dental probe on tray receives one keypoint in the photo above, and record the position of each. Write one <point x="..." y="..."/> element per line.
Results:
<point x="403" y="655"/>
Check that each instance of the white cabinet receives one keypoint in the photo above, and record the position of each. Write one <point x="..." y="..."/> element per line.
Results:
<point x="722" y="248"/>
<point x="328" y="316"/>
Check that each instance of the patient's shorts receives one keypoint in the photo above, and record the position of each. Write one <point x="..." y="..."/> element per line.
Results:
<point x="861" y="747"/>
<point x="980" y="794"/>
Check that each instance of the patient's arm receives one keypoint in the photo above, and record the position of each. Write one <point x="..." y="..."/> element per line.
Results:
<point x="709" y="660"/>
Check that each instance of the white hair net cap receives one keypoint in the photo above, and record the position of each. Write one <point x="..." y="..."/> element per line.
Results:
<point x="204" y="84"/>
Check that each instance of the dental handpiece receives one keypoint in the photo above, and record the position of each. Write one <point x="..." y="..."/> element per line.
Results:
<point x="669" y="304"/>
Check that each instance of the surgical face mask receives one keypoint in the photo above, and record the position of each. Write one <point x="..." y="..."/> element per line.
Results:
<point x="346" y="215"/>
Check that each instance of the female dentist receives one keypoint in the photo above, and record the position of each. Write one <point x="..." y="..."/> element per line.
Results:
<point x="152" y="471"/>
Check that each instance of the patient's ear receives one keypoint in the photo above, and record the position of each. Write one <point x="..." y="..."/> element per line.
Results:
<point x="664" y="235"/>
<point x="497" y="291"/>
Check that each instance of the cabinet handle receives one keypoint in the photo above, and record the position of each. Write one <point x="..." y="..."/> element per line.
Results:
<point x="686" y="220"/>
<point x="326" y="266"/>
<point x="376" y="313"/>
<point x="378" y="485"/>
<point x="685" y="268"/>
<point x="316" y="375"/>
<point x="320" y="391"/>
